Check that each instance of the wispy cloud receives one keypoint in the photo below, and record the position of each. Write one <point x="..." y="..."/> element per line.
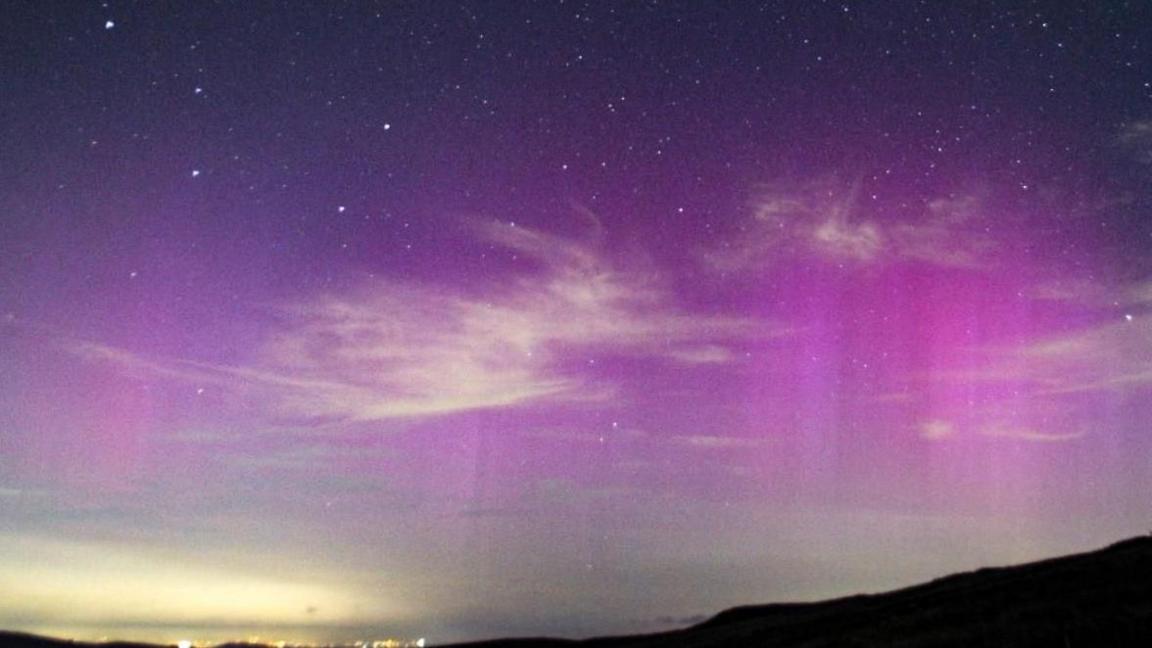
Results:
<point x="307" y="457"/>
<point x="701" y="441"/>
<point x="14" y="493"/>
<point x="571" y="435"/>
<point x="1048" y="388"/>
<point x="703" y="354"/>
<point x="720" y="442"/>
<point x="1093" y="293"/>
<point x="1139" y="294"/>
<point x="1113" y="356"/>
<point x="945" y="430"/>
<point x="937" y="429"/>
<point x="1028" y="434"/>
<point x="394" y="350"/>
<point x="1076" y="291"/>
<point x="944" y="236"/>
<point x="1137" y="137"/>
<point x="828" y="222"/>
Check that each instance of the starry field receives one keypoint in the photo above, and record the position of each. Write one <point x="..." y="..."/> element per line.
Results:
<point x="476" y="319"/>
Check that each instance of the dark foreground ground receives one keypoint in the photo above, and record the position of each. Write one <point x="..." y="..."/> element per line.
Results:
<point x="1102" y="598"/>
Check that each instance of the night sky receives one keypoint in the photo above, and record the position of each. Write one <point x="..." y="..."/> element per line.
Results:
<point x="465" y="319"/>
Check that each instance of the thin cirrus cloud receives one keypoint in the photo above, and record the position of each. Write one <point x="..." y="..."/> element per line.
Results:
<point x="720" y="442"/>
<point x="1028" y="433"/>
<point x="403" y="351"/>
<point x="827" y="224"/>
<point x="1136" y="137"/>
<point x="1096" y="364"/>
<point x="1139" y="294"/>
<point x="941" y="430"/>
<point x="937" y="429"/>
<point x="1114" y="356"/>
<point x="394" y="350"/>
<point x="1084" y="292"/>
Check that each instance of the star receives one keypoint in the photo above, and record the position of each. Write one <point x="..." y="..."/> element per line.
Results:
<point x="109" y="24"/>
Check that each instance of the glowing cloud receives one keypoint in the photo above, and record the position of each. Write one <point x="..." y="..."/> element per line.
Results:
<point x="828" y="223"/>
<point x="403" y="350"/>
<point x="1051" y="388"/>
<point x="942" y="430"/>
<point x="1028" y="434"/>
<point x="393" y="350"/>
<point x="1114" y="356"/>
<point x="936" y="429"/>
<point x="1137" y="137"/>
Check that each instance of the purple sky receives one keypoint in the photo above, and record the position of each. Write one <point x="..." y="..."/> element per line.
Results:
<point x="341" y="320"/>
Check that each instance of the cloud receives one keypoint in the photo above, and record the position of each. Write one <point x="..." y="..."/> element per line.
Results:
<point x="200" y="373"/>
<point x="1091" y="293"/>
<point x="936" y="429"/>
<point x="1113" y="356"/>
<point x="827" y="223"/>
<point x="1027" y="434"/>
<point x="704" y="354"/>
<point x="838" y="238"/>
<point x="720" y="442"/>
<point x="1139" y="294"/>
<point x="1052" y="388"/>
<point x="393" y="350"/>
<point x="563" y="491"/>
<point x="942" y="237"/>
<point x="14" y="493"/>
<point x="702" y="441"/>
<point x="294" y="458"/>
<point x="1137" y="137"/>
<point x="941" y="430"/>
<point x="584" y="436"/>
<point x="1075" y="291"/>
<point x="494" y="512"/>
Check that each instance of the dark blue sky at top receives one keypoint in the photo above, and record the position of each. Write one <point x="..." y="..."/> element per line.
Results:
<point x="493" y="99"/>
<point x="404" y="111"/>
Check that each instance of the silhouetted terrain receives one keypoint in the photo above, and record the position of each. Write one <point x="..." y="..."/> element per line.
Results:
<point x="21" y="640"/>
<point x="1098" y="598"/>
